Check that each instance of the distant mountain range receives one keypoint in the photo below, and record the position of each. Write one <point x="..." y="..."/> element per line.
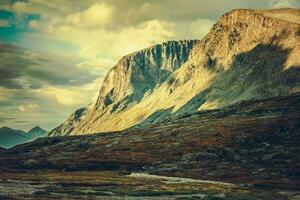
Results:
<point x="248" y="54"/>
<point x="36" y="132"/>
<point x="10" y="137"/>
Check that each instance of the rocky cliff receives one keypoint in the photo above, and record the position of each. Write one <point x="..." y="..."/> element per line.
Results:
<point x="131" y="79"/>
<point x="67" y="127"/>
<point x="248" y="54"/>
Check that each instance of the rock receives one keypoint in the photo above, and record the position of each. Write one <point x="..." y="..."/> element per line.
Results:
<point x="31" y="163"/>
<point x="248" y="54"/>
<point x="72" y="121"/>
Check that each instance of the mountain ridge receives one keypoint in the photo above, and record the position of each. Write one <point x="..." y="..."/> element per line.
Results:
<point x="248" y="54"/>
<point x="10" y="137"/>
<point x="140" y="72"/>
<point x="36" y="132"/>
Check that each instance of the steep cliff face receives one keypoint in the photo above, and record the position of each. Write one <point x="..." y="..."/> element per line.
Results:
<point x="133" y="76"/>
<point x="141" y="72"/>
<point x="248" y="54"/>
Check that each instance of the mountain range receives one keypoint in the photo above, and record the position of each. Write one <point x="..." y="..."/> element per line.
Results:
<point x="248" y="54"/>
<point x="10" y="137"/>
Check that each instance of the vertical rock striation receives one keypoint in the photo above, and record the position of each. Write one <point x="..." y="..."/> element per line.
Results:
<point x="134" y="76"/>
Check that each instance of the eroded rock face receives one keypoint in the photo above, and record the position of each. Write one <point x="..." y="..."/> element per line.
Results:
<point x="248" y="54"/>
<point x="141" y="72"/>
<point x="134" y="75"/>
<point x="67" y="127"/>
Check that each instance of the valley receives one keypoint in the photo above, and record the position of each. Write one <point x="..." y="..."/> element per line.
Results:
<point x="252" y="144"/>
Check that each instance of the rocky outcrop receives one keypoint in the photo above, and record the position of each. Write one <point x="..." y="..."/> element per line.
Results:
<point x="131" y="79"/>
<point x="248" y="54"/>
<point x="141" y="72"/>
<point x="67" y="127"/>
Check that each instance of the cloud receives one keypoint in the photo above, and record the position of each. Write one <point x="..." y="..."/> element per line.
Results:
<point x="63" y="96"/>
<point x="97" y="65"/>
<point x="70" y="96"/>
<point x="6" y="94"/>
<point x="97" y="15"/>
<point x="200" y="27"/>
<point x="54" y="104"/>
<point x="28" y="107"/>
<point x="284" y="3"/>
<point x="38" y="7"/>
<point x="22" y="68"/>
<point x="33" y="24"/>
<point x="110" y="44"/>
<point x="5" y="119"/>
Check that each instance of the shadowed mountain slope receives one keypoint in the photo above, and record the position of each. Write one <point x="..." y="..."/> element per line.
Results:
<point x="10" y="137"/>
<point x="36" y="132"/>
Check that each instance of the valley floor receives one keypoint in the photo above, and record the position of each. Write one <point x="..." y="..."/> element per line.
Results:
<point x="116" y="185"/>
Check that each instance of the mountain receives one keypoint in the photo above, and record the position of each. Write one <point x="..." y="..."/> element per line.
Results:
<point x="249" y="150"/>
<point x="131" y="79"/>
<point x="73" y="120"/>
<point x="257" y="137"/>
<point x="10" y="137"/>
<point x="248" y="54"/>
<point x="36" y="132"/>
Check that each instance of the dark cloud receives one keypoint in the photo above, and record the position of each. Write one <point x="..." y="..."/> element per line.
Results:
<point x="21" y="68"/>
<point x="132" y="12"/>
<point x="136" y="11"/>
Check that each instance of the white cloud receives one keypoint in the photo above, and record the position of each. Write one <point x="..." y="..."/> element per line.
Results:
<point x="6" y="94"/>
<point x="70" y="96"/>
<point x="200" y="27"/>
<point x="106" y="45"/>
<point x="283" y="3"/>
<point x="28" y="107"/>
<point x="98" y="65"/>
<point x="33" y="24"/>
<point x="64" y="96"/>
<point x="97" y="15"/>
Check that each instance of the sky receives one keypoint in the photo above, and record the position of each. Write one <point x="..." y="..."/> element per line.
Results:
<point x="54" y="54"/>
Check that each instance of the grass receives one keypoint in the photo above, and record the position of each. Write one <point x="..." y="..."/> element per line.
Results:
<point x="55" y="184"/>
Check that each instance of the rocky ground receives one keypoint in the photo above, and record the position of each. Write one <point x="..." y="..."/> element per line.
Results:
<point x="113" y="185"/>
<point x="253" y="144"/>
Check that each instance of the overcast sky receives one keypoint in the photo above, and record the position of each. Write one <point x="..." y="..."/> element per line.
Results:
<point x="55" y="53"/>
